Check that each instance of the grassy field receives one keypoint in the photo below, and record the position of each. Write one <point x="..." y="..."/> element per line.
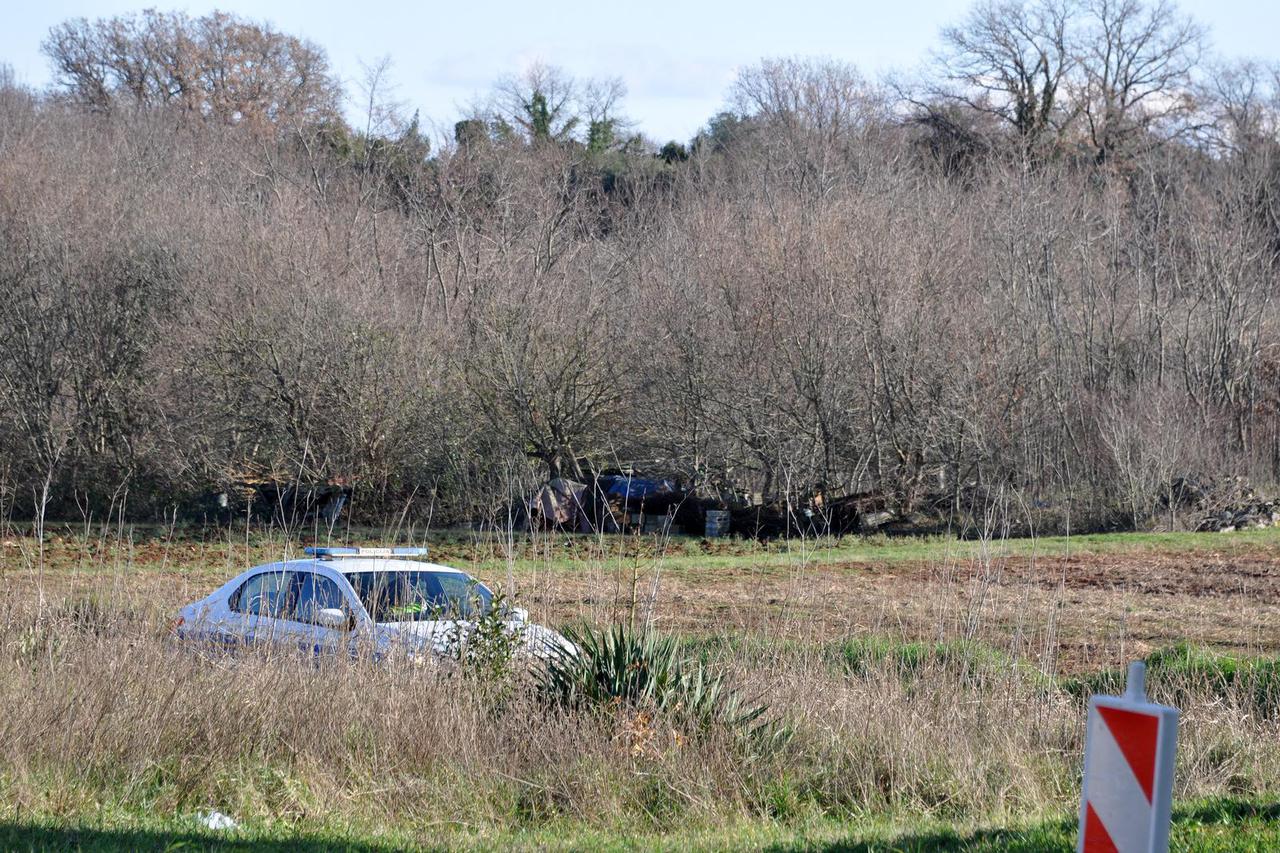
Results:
<point x="1211" y="825"/>
<point x="1074" y="604"/>
<point x="932" y="691"/>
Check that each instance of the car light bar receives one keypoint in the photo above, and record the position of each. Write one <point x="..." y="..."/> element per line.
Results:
<point x="330" y="553"/>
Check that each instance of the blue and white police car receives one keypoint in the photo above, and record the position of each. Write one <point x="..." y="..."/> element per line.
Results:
<point x="349" y="600"/>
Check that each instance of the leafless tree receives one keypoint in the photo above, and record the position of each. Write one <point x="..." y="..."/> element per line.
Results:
<point x="217" y="67"/>
<point x="814" y="112"/>
<point x="1012" y="59"/>
<point x="1137" y="60"/>
<point x="801" y="306"/>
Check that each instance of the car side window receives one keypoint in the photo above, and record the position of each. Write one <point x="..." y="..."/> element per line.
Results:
<point x="265" y="594"/>
<point x="312" y="593"/>
<point x="460" y="595"/>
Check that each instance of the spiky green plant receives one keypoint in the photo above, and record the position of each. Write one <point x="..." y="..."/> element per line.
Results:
<point x="623" y="667"/>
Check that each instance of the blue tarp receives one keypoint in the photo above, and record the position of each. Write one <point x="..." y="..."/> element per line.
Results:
<point x="634" y="487"/>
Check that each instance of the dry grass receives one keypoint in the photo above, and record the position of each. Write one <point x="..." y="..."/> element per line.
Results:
<point x="99" y="710"/>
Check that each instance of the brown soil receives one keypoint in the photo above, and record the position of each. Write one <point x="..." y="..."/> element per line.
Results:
<point x="1077" y="612"/>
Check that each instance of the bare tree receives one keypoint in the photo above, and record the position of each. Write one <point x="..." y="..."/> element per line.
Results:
<point x="1012" y="59"/>
<point x="217" y="67"/>
<point x="541" y="104"/>
<point x="601" y="104"/>
<point x="814" y="111"/>
<point x="1137" y="60"/>
<point x="1239" y="104"/>
<point x="804" y="307"/>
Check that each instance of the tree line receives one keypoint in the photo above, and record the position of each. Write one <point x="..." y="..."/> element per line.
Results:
<point x="1045" y="268"/>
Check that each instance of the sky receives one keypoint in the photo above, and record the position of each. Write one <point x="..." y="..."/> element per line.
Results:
<point x="676" y="59"/>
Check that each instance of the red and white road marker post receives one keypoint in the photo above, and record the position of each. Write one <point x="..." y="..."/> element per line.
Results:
<point x="1127" y="795"/>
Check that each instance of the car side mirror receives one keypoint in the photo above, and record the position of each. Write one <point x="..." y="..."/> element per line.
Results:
<point x="332" y="617"/>
<point x="518" y="614"/>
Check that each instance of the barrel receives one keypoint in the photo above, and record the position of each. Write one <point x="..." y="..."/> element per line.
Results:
<point x="717" y="523"/>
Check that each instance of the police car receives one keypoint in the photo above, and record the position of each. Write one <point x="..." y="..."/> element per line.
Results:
<point x="345" y="600"/>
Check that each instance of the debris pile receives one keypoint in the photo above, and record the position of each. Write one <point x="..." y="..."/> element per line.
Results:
<point x="1225" y="505"/>
<point x="1256" y="513"/>
<point x="616" y="501"/>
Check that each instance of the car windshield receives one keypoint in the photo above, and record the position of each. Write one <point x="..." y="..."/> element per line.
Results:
<point x="420" y="595"/>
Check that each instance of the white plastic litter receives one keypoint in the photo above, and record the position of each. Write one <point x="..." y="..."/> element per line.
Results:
<point x="216" y="820"/>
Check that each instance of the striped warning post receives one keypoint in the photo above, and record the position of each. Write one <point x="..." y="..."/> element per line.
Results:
<point x="1128" y="772"/>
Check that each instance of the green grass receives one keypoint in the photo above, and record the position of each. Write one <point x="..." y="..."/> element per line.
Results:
<point x="1183" y="663"/>
<point x="215" y="552"/>
<point x="1209" y="825"/>
<point x="685" y="554"/>
<point x="1255" y="677"/>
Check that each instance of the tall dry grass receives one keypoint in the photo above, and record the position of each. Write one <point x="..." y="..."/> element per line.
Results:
<point x="99" y="708"/>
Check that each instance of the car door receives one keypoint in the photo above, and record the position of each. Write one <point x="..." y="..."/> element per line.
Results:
<point x="258" y="606"/>
<point x="298" y="625"/>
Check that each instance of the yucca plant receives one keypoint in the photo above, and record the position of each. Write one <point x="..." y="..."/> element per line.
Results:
<point x="641" y="670"/>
